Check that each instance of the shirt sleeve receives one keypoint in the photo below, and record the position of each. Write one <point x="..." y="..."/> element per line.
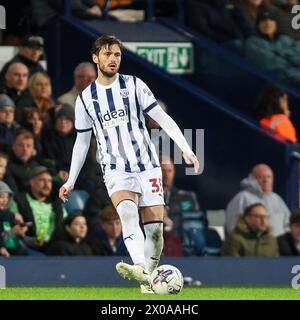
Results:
<point x="145" y="96"/>
<point x="171" y="128"/>
<point x="79" y="153"/>
<point x="83" y="121"/>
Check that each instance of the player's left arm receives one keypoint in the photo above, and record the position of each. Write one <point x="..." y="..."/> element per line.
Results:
<point x="173" y="131"/>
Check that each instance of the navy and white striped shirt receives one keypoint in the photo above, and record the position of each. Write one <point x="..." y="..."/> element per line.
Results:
<point x="115" y="114"/>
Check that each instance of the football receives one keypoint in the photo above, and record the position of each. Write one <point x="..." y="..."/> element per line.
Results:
<point x="166" y="279"/>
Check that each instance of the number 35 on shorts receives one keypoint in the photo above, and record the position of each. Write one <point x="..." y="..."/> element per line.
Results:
<point x="156" y="185"/>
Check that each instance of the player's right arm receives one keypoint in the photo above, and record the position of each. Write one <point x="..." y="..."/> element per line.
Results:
<point x="83" y="125"/>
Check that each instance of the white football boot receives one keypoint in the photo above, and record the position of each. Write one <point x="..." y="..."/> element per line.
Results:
<point x="133" y="272"/>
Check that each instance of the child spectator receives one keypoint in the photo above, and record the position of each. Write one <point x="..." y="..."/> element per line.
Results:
<point x="11" y="231"/>
<point x="71" y="241"/>
<point x="5" y="175"/>
<point x="8" y="126"/>
<point x="107" y="239"/>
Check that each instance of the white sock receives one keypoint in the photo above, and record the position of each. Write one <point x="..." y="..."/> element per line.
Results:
<point x="153" y="244"/>
<point x="132" y="233"/>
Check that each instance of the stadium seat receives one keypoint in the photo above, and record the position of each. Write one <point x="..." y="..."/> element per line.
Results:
<point x="213" y="242"/>
<point x="198" y="239"/>
<point x="193" y="224"/>
<point x="76" y="201"/>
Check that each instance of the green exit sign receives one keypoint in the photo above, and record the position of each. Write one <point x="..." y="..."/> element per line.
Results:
<point x="175" y="57"/>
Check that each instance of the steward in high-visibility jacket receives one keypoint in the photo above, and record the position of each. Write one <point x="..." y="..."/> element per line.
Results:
<point x="280" y="125"/>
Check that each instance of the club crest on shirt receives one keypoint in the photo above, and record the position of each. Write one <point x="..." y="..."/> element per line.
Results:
<point x="114" y="118"/>
<point x="124" y="93"/>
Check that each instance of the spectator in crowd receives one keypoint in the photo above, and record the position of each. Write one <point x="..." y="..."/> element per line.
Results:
<point x="72" y="240"/>
<point x="41" y="91"/>
<point x="106" y="239"/>
<point x="177" y="201"/>
<point x="5" y="175"/>
<point x="29" y="54"/>
<point x="15" y="86"/>
<point x="258" y="187"/>
<point x="41" y="207"/>
<point x="273" y="113"/>
<point x="172" y="242"/>
<point x="289" y="243"/>
<point x="58" y="141"/>
<point x="251" y="236"/>
<point x="220" y="20"/>
<point x="57" y="153"/>
<point x="11" y="232"/>
<point x="276" y="53"/>
<point x="86" y="9"/>
<point x="252" y="9"/>
<point x="283" y="10"/>
<point x="84" y="74"/>
<point x="22" y="159"/>
<point x="32" y="121"/>
<point x="3" y="165"/>
<point x="8" y="126"/>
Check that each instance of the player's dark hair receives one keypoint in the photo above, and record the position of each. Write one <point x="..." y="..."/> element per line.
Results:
<point x="104" y="41"/>
<point x="249" y="209"/>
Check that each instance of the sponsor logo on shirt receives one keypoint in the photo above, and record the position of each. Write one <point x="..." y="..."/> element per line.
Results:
<point x="111" y="119"/>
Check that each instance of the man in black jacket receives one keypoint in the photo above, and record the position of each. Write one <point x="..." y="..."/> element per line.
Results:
<point x="15" y="86"/>
<point x="289" y="243"/>
<point x="22" y="160"/>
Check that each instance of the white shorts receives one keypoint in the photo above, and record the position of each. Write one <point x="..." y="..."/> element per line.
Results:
<point x="147" y="183"/>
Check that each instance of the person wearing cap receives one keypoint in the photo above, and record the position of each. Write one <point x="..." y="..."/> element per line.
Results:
<point x="8" y="126"/>
<point x="289" y="243"/>
<point x="11" y="231"/>
<point x="29" y="53"/>
<point x="58" y="143"/>
<point x="42" y="208"/>
<point x="276" y="53"/>
<point x="283" y="10"/>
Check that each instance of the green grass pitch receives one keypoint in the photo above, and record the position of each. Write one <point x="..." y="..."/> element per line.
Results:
<point x="132" y="293"/>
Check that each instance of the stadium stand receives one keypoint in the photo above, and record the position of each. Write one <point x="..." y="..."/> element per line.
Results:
<point x="205" y="86"/>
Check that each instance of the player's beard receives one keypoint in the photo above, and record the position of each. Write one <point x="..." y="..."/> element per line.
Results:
<point x="108" y="74"/>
